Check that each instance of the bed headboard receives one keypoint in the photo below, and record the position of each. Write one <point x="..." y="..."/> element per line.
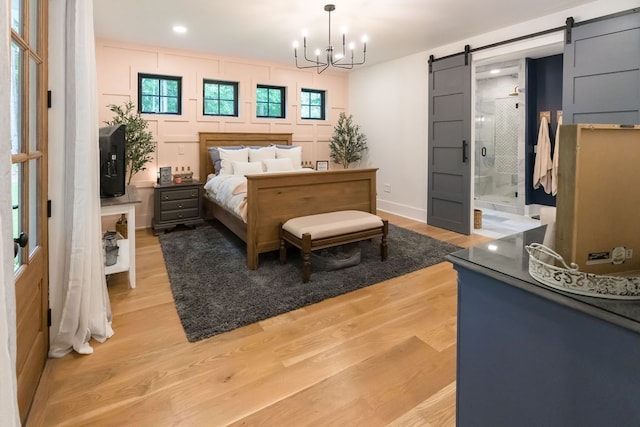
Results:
<point x="221" y="139"/>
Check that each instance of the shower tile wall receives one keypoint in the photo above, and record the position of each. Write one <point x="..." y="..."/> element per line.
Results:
<point x="499" y="129"/>
<point x="506" y="139"/>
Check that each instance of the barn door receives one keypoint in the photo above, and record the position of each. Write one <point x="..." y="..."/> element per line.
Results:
<point x="449" y="171"/>
<point x="602" y="71"/>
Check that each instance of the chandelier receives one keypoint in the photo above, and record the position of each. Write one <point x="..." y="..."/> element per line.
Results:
<point x="333" y="59"/>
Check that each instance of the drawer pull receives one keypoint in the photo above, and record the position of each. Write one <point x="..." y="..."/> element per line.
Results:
<point x="166" y="197"/>
<point x="179" y="215"/>
<point x="179" y="206"/>
<point x="193" y="194"/>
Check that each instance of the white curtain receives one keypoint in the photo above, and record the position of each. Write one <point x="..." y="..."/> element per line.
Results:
<point x="8" y="396"/>
<point x="86" y="311"/>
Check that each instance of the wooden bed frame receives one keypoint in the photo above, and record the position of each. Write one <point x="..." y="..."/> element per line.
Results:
<point x="278" y="197"/>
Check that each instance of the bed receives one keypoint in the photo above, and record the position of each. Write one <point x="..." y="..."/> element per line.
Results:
<point x="276" y="197"/>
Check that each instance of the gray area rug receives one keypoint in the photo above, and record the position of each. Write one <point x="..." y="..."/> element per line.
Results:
<point x="214" y="291"/>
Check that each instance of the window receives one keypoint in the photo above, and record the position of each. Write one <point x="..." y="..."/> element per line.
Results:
<point x="220" y="98"/>
<point x="159" y="94"/>
<point x="312" y="104"/>
<point x="270" y="101"/>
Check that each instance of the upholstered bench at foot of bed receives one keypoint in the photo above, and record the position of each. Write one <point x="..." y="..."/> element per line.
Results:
<point x="320" y="231"/>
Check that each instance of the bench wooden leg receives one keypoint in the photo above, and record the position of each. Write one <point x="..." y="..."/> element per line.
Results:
<point x="306" y="257"/>
<point x="383" y="244"/>
<point x="283" y="247"/>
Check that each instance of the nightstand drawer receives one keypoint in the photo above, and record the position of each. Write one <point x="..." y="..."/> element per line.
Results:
<point x="186" y="193"/>
<point x="178" y="204"/>
<point x="179" y="214"/>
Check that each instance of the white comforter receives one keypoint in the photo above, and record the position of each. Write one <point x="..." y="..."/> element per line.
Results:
<point x="229" y="191"/>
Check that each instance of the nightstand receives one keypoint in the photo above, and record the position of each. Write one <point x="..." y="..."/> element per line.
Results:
<point x="177" y="204"/>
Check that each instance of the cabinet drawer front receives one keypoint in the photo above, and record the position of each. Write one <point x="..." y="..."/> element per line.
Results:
<point x="186" y="193"/>
<point x="178" y="204"/>
<point x="179" y="214"/>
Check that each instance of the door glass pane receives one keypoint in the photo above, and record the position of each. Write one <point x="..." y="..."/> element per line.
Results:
<point x="16" y="16"/>
<point x="16" y="98"/>
<point x="16" y="202"/>
<point x="34" y="13"/>
<point x="34" y="225"/>
<point x="33" y="104"/>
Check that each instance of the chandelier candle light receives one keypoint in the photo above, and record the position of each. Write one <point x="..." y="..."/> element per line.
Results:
<point x="334" y="60"/>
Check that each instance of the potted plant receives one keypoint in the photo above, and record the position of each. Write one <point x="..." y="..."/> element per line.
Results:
<point x="140" y="144"/>
<point x="347" y="143"/>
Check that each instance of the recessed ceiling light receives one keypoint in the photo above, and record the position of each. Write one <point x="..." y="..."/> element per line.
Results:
<point x="180" y="29"/>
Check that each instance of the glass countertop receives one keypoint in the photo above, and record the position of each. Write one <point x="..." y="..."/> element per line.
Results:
<point x="507" y="260"/>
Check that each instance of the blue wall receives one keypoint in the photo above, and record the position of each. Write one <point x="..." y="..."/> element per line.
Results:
<point x="544" y="93"/>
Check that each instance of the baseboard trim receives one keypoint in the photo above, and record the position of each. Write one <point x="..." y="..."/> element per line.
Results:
<point x="405" y="211"/>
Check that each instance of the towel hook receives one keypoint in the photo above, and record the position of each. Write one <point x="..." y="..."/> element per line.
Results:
<point x="546" y="115"/>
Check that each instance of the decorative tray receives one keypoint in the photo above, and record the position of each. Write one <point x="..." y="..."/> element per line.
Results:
<point x="570" y="279"/>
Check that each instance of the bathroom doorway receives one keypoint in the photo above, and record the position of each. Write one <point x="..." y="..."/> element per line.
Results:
<point x="499" y="134"/>
<point x="500" y="77"/>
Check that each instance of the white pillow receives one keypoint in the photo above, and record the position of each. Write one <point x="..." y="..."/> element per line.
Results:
<point x="246" y="168"/>
<point x="295" y="154"/>
<point x="227" y="158"/>
<point x="278" y="165"/>
<point x="259" y="154"/>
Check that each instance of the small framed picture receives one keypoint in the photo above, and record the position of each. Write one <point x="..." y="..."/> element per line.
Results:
<point x="165" y="175"/>
<point x="322" y="165"/>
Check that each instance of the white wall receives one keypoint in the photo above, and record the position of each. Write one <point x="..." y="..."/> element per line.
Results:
<point x="389" y="102"/>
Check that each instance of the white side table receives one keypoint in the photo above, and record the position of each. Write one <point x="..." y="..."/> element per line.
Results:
<point x="127" y="247"/>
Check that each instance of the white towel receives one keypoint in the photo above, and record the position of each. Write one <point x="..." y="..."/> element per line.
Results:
<point x="543" y="165"/>
<point x="556" y="156"/>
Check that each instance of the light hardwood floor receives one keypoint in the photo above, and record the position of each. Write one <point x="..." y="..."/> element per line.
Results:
<point x="382" y="355"/>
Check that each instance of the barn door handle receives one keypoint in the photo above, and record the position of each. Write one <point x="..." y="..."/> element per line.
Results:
<point x="20" y="242"/>
<point x="464" y="151"/>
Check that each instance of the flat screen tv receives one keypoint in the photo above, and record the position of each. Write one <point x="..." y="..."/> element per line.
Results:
<point x="112" y="144"/>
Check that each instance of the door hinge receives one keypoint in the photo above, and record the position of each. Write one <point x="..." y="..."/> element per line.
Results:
<point x="48" y="99"/>
<point x="48" y="208"/>
<point x="49" y="317"/>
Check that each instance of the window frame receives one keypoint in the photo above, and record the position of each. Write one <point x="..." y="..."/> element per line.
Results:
<point x="323" y="104"/>
<point x="160" y="77"/>
<point x="236" y="96"/>
<point x="283" y="94"/>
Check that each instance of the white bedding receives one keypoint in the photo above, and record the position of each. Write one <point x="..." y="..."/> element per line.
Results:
<point x="230" y="191"/>
<point x="221" y="188"/>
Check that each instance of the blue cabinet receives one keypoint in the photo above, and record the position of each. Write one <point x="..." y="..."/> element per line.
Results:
<point x="529" y="355"/>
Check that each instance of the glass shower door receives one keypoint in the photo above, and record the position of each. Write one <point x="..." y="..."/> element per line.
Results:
<point x="496" y="165"/>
